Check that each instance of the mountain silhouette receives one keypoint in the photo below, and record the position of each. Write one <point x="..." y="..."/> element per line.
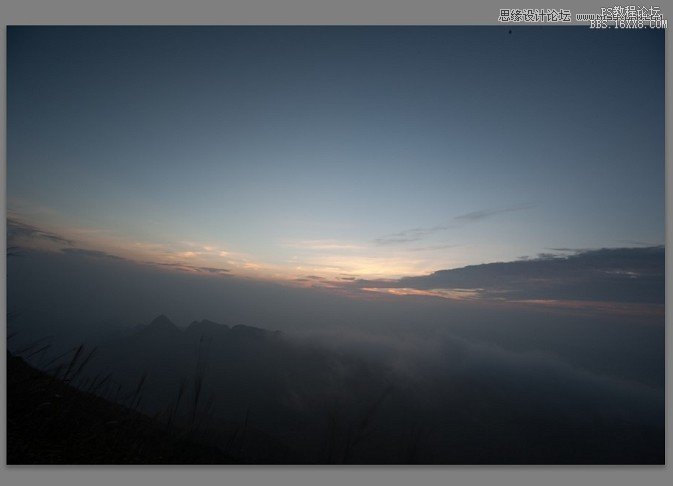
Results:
<point x="162" y="324"/>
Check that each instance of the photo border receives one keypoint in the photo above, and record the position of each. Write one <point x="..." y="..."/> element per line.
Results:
<point x="307" y="12"/>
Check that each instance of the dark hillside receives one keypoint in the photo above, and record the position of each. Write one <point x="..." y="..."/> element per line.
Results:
<point x="50" y="422"/>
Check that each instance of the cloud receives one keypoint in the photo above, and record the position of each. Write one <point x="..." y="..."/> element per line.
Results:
<point x="410" y="235"/>
<point x="420" y="233"/>
<point x="189" y="268"/>
<point x="632" y="275"/>
<point x="475" y="216"/>
<point x="102" y="255"/>
<point x="90" y="253"/>
<point x="26" y="237"/>
<point x="18" y="230"/>
<point x="212" y="270"/>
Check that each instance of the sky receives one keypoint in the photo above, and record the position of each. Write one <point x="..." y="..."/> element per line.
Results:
<point x="365" y="152"/>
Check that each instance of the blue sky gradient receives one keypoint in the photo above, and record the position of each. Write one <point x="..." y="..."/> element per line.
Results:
<point x="365" y="151"/>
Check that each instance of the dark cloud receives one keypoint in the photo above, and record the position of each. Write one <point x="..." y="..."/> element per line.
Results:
<point x="608" y="274"/>
<point x="90" y="253"/>
<point x="18" y="230"/>
<point x="548" y="256"/>
<point x="213" y="270"/>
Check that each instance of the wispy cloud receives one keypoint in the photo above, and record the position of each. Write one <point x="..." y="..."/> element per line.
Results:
<point x="191" y="268"/>
<point x="420" y="233"/>
<point x="410" y="235"/>
<point x="453" y="294"/>
<point x="103" y="245"/>
<point x="102" y="255"/>
<point x="475" y="216"/>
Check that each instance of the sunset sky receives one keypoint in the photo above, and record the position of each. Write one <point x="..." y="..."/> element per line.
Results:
<point x="380" y="152"/>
